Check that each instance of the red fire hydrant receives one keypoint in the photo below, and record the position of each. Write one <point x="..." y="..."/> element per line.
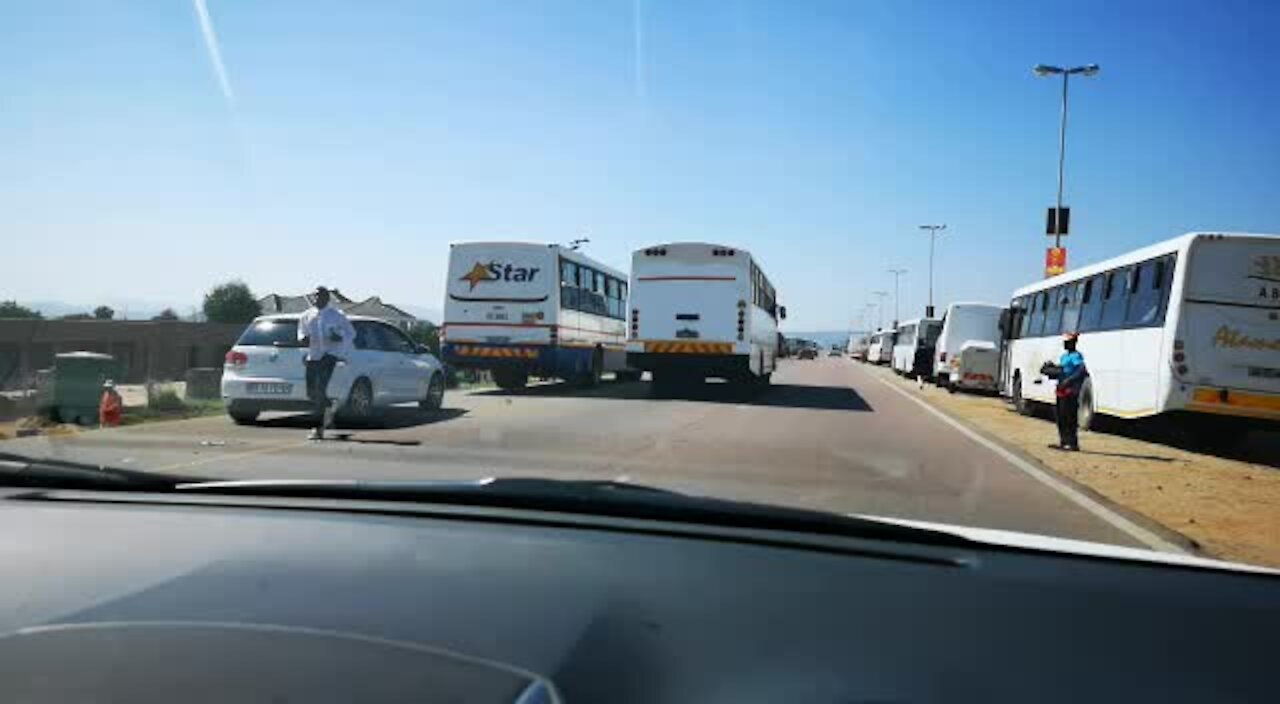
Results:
<point x="111" y="406"/>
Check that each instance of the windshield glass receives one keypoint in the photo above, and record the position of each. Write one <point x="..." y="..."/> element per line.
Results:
<point x="700" y="246"/>
<point x="271" y="333"/>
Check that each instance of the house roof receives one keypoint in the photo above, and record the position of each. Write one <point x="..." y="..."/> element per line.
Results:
<point x="372" y="306"/>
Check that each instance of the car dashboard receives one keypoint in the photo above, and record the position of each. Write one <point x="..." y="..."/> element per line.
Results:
<point x="152" y="597"/>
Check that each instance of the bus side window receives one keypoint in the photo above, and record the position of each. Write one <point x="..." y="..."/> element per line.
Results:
<point x="1117" y="297"/>
<point x="1037" y="314"/>
<point x="1144" y="298"/>
<point x="1071" y="306"/>
<point x="569" y="285"/>
<point x="1053" y="317"/>
<point x="1024" y="316"/>
<point x="1091" y="303"/>
<point x="1166" y="285"/>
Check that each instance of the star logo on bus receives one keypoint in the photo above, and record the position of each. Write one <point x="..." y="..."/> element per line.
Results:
<point x="478" y="273"/>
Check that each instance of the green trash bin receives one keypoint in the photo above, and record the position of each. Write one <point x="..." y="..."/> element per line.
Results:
<point x="77" y="385"/>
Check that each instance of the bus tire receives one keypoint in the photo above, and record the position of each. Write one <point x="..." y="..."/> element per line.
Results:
<point x="509" y="379"/>
<point x="1021" y="403"/>
<point x="595" y="369"/>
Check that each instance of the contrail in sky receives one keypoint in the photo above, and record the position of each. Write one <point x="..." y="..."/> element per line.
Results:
<point x="637" y="48"/>
<point x="215" y="55"/>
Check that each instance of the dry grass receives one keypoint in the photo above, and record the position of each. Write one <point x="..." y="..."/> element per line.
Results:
<point x="1230" y="508"/>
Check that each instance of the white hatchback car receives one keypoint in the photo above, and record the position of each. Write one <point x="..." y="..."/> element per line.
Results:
<point x="265" y="371"/>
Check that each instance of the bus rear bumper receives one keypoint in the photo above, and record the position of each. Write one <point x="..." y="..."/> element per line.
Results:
<point x="1229" y="402"/>
<point x="729" y="366"/>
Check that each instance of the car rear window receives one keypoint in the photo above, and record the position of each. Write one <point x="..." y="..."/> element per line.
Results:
<point x="271" y="333"/>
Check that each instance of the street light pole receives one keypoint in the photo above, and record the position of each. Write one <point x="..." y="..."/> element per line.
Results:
<point x="896" y="273"/>
<point x="1066" y="73"/>
<point x="880" y="307"/>
<point x="933" y="235"/>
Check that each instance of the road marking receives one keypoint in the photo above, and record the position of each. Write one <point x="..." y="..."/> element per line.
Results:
<point x="1069" y="492"/>
<point x="232" y="456"/>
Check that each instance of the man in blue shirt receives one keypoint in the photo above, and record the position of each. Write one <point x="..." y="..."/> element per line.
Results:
<point x="1070" y="374"/>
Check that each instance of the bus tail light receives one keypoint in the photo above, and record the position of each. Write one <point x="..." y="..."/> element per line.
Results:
<point x="942" y="356"/>
<point x="742" y="323"/>
<point x="236" y="358"/>
<point x="1179" y="358"/>
<point x="554" y="332"/>
<point x="635" y="323"/>
<point x="1182" y="370"/>
<point x="656" y="252"/>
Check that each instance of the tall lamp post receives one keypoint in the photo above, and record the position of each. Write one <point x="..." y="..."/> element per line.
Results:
<point x="1066" y="73"/>
<point x="880" y="307"/>
<point x="896" y="273"/>
<point x="933" y="235"/>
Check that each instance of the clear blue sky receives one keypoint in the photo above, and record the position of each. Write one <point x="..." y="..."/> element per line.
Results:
<point x="356" y="140"/>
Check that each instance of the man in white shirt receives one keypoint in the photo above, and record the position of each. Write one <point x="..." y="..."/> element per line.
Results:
<point x="328" y="336"/>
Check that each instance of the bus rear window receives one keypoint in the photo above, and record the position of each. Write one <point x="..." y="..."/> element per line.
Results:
<point x="271" y="333"/>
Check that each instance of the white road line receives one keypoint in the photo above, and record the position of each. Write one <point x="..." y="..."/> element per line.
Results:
<point x="1069" y="492"/>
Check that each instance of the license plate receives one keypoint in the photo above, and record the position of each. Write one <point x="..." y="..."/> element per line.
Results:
<point x="686" y="333"/>
<point x="1264" y="372"/>
<point x="268" y="388"/>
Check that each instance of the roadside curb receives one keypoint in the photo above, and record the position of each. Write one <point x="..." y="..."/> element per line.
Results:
<point x="1174" y="540"/>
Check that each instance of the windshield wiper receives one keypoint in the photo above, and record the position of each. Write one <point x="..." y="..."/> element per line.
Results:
<point x="590" y="497"/>
<point x="47" y="473"/>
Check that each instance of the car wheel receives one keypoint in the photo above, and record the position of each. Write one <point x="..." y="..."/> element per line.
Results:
<point x="1020" y="402"/>
<point x="242" y="414"/>
<point x="435" y="394"/>
<point x="359" y="405"/>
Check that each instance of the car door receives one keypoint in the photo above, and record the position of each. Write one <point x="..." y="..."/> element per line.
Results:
<point x="373" y="361"/>
<point x="413" y="369"/>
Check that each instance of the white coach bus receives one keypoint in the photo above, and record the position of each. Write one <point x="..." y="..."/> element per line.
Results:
<point x="702" y="310"/>
<point x="527" y="309"/>
<point x="1190" y="325"/>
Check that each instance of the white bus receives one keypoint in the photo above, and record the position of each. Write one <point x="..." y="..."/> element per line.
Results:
<point x="702" y="310"/>
<point x="525" y="309"/>
<point x="913" y="346"/>
<point x="1190" y="325"/>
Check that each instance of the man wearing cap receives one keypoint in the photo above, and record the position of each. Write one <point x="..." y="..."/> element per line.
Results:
<point x="328" y="336"/>
<point x="1070" y="373"/>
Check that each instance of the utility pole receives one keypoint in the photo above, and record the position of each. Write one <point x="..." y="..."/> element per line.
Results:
<point x="896" y="273"/>
<point x="880" y="306"/>
<point x="1058" y="218"/>
<point x="933" y="235"/>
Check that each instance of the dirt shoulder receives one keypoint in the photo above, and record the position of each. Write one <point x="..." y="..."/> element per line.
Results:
<point x="1229" y="508"/>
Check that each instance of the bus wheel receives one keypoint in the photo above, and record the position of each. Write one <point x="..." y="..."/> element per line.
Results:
<point x="1020" y="402"/>
<point x="510" y="379"/>
<point x="593" y="373"/>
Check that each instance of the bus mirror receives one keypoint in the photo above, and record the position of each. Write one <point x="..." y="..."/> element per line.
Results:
<point x="1004" y="323"/>
<point x="782" y="312"/>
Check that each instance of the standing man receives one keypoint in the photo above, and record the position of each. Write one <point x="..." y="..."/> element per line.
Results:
<point x="328" y="336"/>
<point x="1070" y="373"/>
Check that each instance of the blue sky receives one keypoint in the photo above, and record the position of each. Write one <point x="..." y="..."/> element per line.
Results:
<point x="357" y="139"/>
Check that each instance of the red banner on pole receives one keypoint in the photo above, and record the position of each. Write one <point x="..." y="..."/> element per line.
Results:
<point x="1055" y="261"/>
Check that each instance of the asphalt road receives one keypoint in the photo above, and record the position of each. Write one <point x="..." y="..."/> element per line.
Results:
<point x="828" y="434"/>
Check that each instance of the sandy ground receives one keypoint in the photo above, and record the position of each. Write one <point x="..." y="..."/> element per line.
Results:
<point x="1229" y="508"/>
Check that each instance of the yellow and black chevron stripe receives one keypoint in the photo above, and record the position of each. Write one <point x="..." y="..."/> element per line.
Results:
<point x="496" y="352"/>
<point x="687" y="347"/>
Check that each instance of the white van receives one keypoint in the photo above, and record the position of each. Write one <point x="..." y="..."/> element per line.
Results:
<point x="960" y="364"/>
<point x="880" y="350"/>
<point x="913" y="348"/>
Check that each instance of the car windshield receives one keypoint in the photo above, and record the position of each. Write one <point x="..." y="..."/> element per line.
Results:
<point x="703" y="247"/>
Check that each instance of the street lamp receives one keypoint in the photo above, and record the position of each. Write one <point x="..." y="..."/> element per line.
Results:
<point x="880" y="306"/>
<point x="1043" y="70"/>
<point x="896" y="273"/>
<point x="933" y="235"/>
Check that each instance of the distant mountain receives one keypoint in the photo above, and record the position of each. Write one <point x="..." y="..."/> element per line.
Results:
<point x="431" y="315"/>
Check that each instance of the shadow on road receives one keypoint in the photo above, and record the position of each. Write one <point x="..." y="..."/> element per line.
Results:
<point x="1126" y="455"/>
<point x="391" y="419"/>
<point x="831" y="398"/>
